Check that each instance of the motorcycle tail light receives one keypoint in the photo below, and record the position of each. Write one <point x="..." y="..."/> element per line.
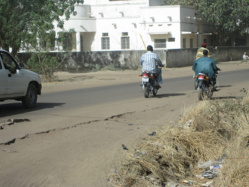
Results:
<point x="145" y="75"/>
<point x="201" y="77"/>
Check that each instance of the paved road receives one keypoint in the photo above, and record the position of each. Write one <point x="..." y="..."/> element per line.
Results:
<point x="99" y="95"/>
<point x="67" y="108"/>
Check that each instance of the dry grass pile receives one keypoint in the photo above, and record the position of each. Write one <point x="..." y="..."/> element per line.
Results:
<point x="206" y="132"/>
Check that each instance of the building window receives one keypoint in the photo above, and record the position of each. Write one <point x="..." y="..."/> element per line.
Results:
<point x="81" y="43"/>
<point x="160" y="43"/>
<point x="171" y="39"/>
<point x="125" y="41"/>
<point x="105" y="41"/>
<point x="184" y="43"/>
<point x="67" y="40"/>
<point x="191" y="43"/>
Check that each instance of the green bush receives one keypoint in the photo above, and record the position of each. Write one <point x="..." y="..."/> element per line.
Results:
<point x="44" y="64"/>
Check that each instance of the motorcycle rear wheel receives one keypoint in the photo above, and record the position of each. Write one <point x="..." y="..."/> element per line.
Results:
<point x="211" y="91"/>
<point x="146" y="91"/>
<point x="195" y="83"/>
<point x="201" y="93"/>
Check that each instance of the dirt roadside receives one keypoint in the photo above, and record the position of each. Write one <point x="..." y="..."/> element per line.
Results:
<point x="85" y="155"/>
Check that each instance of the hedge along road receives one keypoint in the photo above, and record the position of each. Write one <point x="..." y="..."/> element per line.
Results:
<point x="75" y="133"/>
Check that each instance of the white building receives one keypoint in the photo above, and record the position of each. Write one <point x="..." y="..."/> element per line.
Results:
<point x="102" y="25"/>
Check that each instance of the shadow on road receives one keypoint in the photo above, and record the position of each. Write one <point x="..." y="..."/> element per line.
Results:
<point x="224" y="86"/>
<point x="169" y="95"/>
<point x="17" y="108"/>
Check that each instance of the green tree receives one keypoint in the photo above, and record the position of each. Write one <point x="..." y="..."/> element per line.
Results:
<point x="23" y="21"/>
<point x="230" y="17"/>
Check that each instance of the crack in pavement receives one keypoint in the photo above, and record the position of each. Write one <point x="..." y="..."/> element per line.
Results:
<point x="69" y="127"/>
<point x="52" y="130"/>
<point x="12" y="122"/>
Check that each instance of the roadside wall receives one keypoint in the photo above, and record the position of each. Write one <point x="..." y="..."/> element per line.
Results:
<point x="88" y="61"/>
<point x="186" y="57"/>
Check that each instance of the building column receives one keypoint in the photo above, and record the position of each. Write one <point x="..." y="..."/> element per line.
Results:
<point x="78" y="43"/>
<point x="56" y="41"/>
<point x="199" y="39"/>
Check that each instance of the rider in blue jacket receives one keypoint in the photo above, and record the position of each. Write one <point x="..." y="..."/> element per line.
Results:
<point x="206" y="65"/>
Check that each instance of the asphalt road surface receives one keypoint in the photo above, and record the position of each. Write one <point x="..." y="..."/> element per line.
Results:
<point x="62" y="109"/>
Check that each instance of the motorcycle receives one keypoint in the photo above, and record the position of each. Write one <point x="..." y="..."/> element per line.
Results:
<point x="205" y="86"/>
<point x="149" y="84"/>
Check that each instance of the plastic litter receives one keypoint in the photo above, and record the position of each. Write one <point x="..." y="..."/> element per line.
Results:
<point x="188" y="181"/>
<point x="143" y="152"/>
<point x="152" y="134"/>
<point x="124" y="147"/>
<point x="200" y="177"/>
<point x="205" y="165"/>
<point x="208" y="174"/>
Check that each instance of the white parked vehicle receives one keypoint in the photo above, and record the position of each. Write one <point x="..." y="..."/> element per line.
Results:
<point x="18" y="83"/>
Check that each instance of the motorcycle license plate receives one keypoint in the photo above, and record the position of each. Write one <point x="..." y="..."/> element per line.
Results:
<point x="144" y="79"/>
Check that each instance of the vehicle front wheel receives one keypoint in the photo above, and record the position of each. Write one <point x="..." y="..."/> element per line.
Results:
<point x="29" y="101"/>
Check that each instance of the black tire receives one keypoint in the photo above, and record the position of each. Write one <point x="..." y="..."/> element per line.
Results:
<point x="201" y="91"/>
<point x="207" y="92"/>
<point x="211" y="91"/>
<point x="195" y="84"/>
<point x="210" y="94"/>
<point x="146" y="91"/>
<point x="29" y="101"/>
<point x="154" y="91"/>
